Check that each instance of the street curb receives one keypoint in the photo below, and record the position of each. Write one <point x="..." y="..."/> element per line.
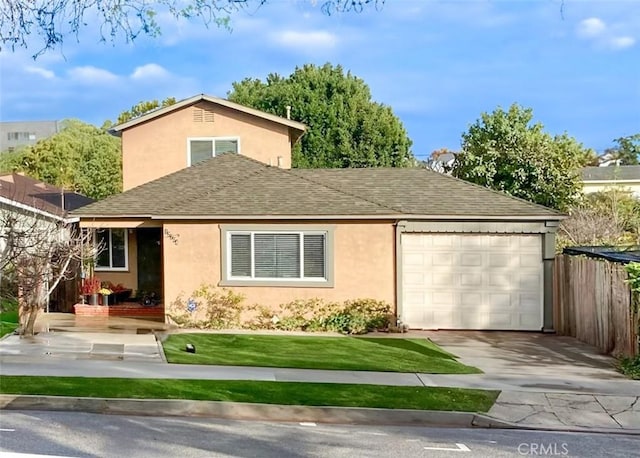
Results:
<point x="249" y="411"/>
<point x="279" y="413"/>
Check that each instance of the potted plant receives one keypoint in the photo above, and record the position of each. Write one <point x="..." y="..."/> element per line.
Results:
<point x="119" y="293"/>
<point x="90" y="288"/>
<point x="105" y="295"/>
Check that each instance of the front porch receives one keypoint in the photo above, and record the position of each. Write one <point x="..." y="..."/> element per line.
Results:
<point x="130" y="264"/>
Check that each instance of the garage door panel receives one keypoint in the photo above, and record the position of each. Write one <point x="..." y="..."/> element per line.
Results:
<point x="472" y="281"/>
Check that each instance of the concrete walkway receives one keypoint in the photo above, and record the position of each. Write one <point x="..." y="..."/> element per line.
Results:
<point x="563" y="400"/>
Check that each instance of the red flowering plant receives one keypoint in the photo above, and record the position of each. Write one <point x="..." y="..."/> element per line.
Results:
<point x="90" y="285"/>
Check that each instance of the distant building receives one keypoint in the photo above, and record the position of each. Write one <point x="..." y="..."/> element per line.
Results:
<point x="14" y="134"/>
<point x="597" y="179"/>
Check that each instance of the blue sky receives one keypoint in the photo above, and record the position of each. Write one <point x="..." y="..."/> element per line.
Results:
<point x="438" y="64"/>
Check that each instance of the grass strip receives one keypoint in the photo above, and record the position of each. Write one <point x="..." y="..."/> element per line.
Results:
<point x="308" y="352"/>
<point x="285" y="393"/>
<point x="8" y="322"/>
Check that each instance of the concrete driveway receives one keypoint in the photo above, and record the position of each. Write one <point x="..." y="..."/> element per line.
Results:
<point x="526" y="354"/>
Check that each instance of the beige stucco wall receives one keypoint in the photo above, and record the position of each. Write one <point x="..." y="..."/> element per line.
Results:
<point x="364" y="264"/>
<point x="159" y="147"/>
<point x="598" y="186"/>
<point x="128" y="278"/>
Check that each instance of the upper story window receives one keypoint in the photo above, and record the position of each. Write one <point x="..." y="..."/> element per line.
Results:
<point x="202" y="148"/>
<point x="17" y="136"/>
<point x="114" y="255"/>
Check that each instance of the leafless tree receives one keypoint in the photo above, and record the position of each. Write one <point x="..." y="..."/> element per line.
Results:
<point x="52" y="21"/>
<point x="610" y="217"/>
<point x="37" y="251"/>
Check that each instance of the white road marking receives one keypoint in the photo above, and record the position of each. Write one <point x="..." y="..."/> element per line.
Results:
<point x="459" y="448"/>
<point x="28" y="455"/>
<point x="7" y="430"/>
<point x="307" y="423"/>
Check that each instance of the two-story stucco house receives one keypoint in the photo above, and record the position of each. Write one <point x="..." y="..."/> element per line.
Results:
<point x="209" y="197"/>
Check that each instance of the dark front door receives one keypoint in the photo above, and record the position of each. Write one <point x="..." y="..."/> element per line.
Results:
<point x="150" y="261"/>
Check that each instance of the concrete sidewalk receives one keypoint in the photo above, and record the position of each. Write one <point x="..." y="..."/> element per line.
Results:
<point x="562" y="401"/>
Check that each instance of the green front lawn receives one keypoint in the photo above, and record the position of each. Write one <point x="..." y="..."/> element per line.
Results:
<point x="8" y="322"/>
<point x="303" y="352"/>
<point x="285" y="393"/>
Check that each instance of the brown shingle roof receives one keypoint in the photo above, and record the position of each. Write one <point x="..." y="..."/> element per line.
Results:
<point x="28" y="191"/>
<point x="231" y="185"/>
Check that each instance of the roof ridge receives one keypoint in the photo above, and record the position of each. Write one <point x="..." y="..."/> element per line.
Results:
<point x="495" y="191"/>
<point x="290" y="171"/>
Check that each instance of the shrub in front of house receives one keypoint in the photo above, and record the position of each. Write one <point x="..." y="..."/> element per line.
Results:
<point x="208" y="307"/>
<point x="218" y="308"/>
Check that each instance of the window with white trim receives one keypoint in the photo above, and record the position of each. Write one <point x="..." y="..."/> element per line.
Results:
<point x="277" y="256"/>
<point x="201" y="149"/>
<point x="114" y="255"/>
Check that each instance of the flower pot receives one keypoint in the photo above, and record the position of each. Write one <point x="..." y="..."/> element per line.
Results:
<point x="105" y="299"/>
<point x="93" y="299"/>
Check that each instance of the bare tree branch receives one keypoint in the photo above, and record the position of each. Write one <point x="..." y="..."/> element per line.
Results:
<point x="37" y="250"/>
<point x="54" y="20"/>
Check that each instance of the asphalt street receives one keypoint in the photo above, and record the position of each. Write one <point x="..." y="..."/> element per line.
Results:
<point x="92" y="435"/>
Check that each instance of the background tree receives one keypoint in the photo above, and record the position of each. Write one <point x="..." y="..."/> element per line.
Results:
<point x="143" y="107"/>
<point x="626" y="151"/>
<point x="80" y="158"/>
<point x="504" y="151"/>
<point x="606" y="218"/>
<point x="55" y="20"/>
<point x="346" y="127"/>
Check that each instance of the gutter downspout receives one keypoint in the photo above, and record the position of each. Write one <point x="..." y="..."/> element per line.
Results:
<point x="548" y="262"/>
<point x="400" y="228"/>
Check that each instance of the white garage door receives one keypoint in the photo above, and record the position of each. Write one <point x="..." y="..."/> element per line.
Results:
<point x="472" y="281"/>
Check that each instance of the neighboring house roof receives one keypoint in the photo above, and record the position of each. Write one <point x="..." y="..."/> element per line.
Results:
<point x="295" y="125"/>
<point x="234" y="186"/>
<point x="611" y="173"/>
<point x="16" y="188"/>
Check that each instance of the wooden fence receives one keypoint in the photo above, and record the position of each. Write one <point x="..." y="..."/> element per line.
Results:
<point x="592" y="303"/>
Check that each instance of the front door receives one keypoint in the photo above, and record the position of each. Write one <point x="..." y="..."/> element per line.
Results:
<point x="150" y="261"/>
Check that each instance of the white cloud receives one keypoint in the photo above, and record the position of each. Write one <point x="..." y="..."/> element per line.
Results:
<point x="149" y="71"/>
<point x="91" y="74"/>
<point x="591" y="27"/>
<point x="603" y="36"/>
<point x="621" y="42"/>
<point x="306" y="41"/>
<point x="43" y="72"/>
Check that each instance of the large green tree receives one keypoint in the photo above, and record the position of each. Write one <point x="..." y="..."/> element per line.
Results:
<point x="81" y="157"/>
<point x="346" y="127"/>
<point x="506" y="151"/>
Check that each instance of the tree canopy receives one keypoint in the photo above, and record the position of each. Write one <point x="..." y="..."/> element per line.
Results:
<point x="504" y="150"/>
<point x="55" y="20"/>
<point x="81" y="158"/>
<point x="346" y="127"/>
<point x="626" y="151"/>
<point x="143" y="107"/>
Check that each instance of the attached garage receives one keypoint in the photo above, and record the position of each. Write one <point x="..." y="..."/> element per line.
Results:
<point x="475" y="276"/>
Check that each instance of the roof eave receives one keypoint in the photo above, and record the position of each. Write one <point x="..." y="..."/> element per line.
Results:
<point x="391" y="216"/>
